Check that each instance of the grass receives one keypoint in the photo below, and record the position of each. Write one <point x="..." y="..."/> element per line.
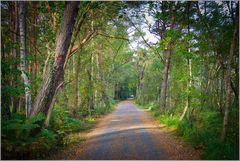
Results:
<point x="73" y="138"/>
<point x="202" y="131"/>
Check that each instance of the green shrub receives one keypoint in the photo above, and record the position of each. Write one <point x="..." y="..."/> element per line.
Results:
<point x="206" y="132"/>
<point x="102" y="110"/>
<point x="64" y="124"/>
<point x="169" y="120"/>
<point x="203" y="130"/>
<point x="18" y="142"/>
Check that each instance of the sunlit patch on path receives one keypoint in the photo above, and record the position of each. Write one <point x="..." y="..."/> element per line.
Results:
<point x="130" y="133"/>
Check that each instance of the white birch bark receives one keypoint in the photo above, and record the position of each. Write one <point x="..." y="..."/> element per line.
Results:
<point x="22" y="31"/>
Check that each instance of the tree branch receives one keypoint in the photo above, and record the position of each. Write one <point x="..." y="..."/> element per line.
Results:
<point x="157" y="53"/>
<point x="114" y="37"/>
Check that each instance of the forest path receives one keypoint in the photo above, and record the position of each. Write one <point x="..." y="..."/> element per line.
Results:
<point x="130" y="133"/>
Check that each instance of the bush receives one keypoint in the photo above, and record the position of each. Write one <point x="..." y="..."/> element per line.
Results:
<point x="205" y="133"/>
<point x="101" y="110"/>
<point x="18" y="142"/>
<point x="169" y="120"/>
<point x="64" y="124"/>
<point x="104" y="109"/>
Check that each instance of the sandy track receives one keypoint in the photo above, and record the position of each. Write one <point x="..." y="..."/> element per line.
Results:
<point x="129" y="133"/>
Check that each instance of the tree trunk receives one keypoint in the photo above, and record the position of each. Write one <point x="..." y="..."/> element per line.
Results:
<point x="22" y="30"/>
<point x="165" y="79"/>
<point x="189" y="82"/>
<point x="167" y="67"/>
<point x="91" y="90"/>
<point x="34" y="37"/>
<point x="101" y="74"/>
<point x="228" y="81"/>
<point x="139" y="83"/>
<point x="15" y="55"/>
<point x="77" y="71"/>
<point x="5" y="105"/>
<point x="44" y="99"/>
<point x="189" y="85"/>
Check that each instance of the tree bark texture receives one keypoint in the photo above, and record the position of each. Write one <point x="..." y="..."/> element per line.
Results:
<point x="34" y="37"/>
<point x="22" y="31"/>
<point x="54" y="75"/>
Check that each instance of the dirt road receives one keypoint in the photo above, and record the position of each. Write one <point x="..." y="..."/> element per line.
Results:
<point x="131" y="133"/>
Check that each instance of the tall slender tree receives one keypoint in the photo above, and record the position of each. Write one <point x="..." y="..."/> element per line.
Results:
<point x="168" y="54"/>
<point x="22" y="31"/>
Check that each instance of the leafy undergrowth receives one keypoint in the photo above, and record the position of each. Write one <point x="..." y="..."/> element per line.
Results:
<point x="202" y="131"/>
<point x="20" y="142"/>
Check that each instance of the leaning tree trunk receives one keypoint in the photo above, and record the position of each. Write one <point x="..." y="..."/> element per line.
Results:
<point x="45" y="97"/>
<point x="22" y="30"/>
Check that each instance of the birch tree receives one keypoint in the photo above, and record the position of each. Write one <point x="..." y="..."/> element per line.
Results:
<point x="22" y="31"/>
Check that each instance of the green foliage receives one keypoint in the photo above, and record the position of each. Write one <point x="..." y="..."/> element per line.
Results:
<point x="73" y="138"/>
<point x="63" y="123"/>
<point x="18" y="140"/>
<point x="171" y="121"/>
<point x="204" y="39"/>
<point x="206" y="133"/>
<point x="203" y="132"/>
<point x="104" y="109"/>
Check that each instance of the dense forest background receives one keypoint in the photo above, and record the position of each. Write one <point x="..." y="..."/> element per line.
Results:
<point x="65" y="63"/>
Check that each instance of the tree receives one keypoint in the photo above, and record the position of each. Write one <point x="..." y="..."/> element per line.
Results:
<point x="228" y="78"/>
<point x="15" y="26"/>
<point x="22" y="31"/>
<point x="54" y="75"/>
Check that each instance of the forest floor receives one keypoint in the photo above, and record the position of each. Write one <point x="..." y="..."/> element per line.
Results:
<point x="129" y="133"/>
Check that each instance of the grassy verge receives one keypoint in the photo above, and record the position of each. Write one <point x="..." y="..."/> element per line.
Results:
<point x="203" y="131"/>
<point x="64" y="130"/>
